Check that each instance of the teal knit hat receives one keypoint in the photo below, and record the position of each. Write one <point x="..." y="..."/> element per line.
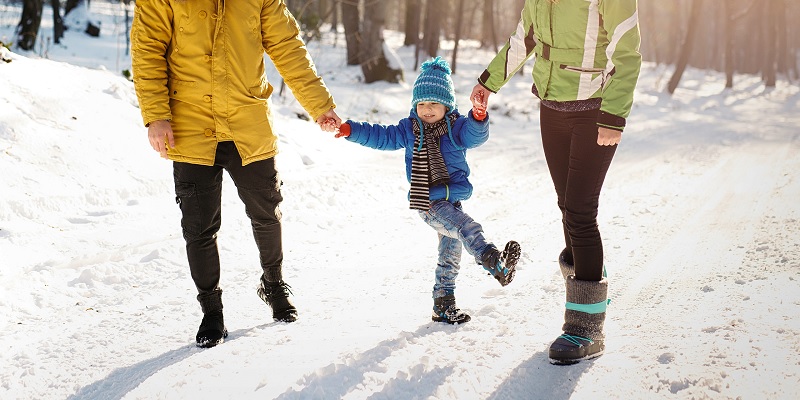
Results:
<point x="434" y="84"/>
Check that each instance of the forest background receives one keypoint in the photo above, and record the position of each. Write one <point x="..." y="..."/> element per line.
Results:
<point x="734" y="36"/>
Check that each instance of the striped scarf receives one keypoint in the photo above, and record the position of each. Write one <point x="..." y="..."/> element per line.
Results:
<point x="427" y="164"/>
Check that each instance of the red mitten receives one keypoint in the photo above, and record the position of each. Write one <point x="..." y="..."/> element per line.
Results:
<point x="344" y="130"/>
<point x="479" y="113"/>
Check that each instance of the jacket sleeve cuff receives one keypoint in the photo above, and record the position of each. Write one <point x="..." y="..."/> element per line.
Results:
<point x="485" y="78"/>
<point x="152" y="118"/>
<point x="610" y="121"/>
<point x="329" y="105"/>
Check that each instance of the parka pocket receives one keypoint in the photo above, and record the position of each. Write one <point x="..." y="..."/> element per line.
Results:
<point x="262" y="91"/>
<point x="594" y="71"/>
<point x="582" y="70"/>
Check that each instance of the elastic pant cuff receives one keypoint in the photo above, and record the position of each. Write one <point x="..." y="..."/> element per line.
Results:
<point x="211" y="301"/>
<point x="566" y="268"/>
<point x="272" y="275"/>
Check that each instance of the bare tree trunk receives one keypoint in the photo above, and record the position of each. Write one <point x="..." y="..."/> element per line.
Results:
<point x="729" y="61"/>
<point x="58" y="22"/>
<point x="374" y="64"/>
<point x="686" y="46"/>
<point x="782" y="35"/>
<point x="413" y="12"/>
<point x="70" y="5"/>
<point x="431" y="33"/>
<point x="459" y="21"/>
<point x="29" y="23"/>
<point x="488" y="37"/>
<point x="770" y="21"/>
<point x="352" y="31"/>
<point x="335" y="17"/>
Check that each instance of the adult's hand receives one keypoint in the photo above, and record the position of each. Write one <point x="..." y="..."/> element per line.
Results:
<point x="329" y="122"/>
<point x="608" y="137"/>
<point x="160" y="134"/>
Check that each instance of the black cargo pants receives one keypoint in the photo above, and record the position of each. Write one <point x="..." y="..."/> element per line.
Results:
<point x="578" y="166"/>
<point x="198" y="191"/>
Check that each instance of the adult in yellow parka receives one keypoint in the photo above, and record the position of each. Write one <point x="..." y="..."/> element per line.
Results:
<point x="198" y="68"/>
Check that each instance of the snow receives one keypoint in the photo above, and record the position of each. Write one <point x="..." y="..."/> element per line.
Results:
<point x="699" y="216"/>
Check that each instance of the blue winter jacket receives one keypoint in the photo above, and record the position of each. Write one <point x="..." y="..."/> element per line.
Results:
<point x="467" y="133"/>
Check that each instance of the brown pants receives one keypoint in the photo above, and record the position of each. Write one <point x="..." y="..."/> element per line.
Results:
<point x="578" y="166"/>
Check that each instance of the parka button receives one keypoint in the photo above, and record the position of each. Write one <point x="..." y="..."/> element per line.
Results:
<point x="208" y="132"/>
<point x="206" y="57"/>
<point x="207" y="98"/>
<point x="202" y="14"/>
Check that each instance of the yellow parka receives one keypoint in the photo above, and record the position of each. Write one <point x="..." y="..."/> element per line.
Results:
<point x="200" y="65"/>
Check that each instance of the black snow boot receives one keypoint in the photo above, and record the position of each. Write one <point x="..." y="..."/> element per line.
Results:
<point x="445" y="310"/>
<point x="276" y="295"/>
<point x="212" y="330"/>
<point x="583" y="337"/>
<point x="502" y="265"/>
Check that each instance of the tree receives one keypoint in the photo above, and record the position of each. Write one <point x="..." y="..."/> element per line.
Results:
<point x="29" y="23"/>
<point x="686" y="46"/>
<point x="459" y="22"/>
<point x="374" y="62"/>
<point x="488" y="36"/>
<point x="432" y="29"/>
<point x="352" y="31"/>
<point x="773" y="14"/>
<point x="72" y="4"/>
<point x="58" y="22"/>
<point x="412" y="23"/>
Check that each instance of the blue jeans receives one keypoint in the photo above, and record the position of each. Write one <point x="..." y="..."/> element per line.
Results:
<point x="454" y="227"/>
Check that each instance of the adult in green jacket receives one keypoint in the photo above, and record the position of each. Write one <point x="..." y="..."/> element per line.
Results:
<point x="586" y="67"/>
<point x="199" y="74"/>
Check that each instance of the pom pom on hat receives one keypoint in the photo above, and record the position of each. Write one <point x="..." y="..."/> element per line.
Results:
<point x="434" y="84"/>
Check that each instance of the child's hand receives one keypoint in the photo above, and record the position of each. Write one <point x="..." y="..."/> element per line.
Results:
<point x="479" y="113"/>
<point x="343" y="131"/>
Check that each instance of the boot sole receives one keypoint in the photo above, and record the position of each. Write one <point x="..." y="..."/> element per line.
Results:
<point x="511" y="255"/>
<point x="575" y="352"/>
<point x="573" y="361"/>
<point x="207" y="344"/>
<point x="436" y="318"/>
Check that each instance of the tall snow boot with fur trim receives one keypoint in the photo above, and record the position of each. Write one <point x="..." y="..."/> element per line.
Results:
<point x="584" y="318"/>
<point x="212" y="330"/>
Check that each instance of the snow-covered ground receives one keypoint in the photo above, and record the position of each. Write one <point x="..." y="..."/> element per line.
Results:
<point x="700" y="217"/>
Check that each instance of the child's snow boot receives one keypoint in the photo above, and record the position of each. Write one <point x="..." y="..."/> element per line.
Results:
<point x="583" y="322"/>
<point x="502" y="265"/>
<point x="212" y="329"/>
<point x="276" y="295"/>
<point x="445" y="310"/>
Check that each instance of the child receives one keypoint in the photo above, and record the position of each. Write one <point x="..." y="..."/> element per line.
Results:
<point x="436" y="137"/>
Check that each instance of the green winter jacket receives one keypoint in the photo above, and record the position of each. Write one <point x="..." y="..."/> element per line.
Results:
<point x="584" y="49"/>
